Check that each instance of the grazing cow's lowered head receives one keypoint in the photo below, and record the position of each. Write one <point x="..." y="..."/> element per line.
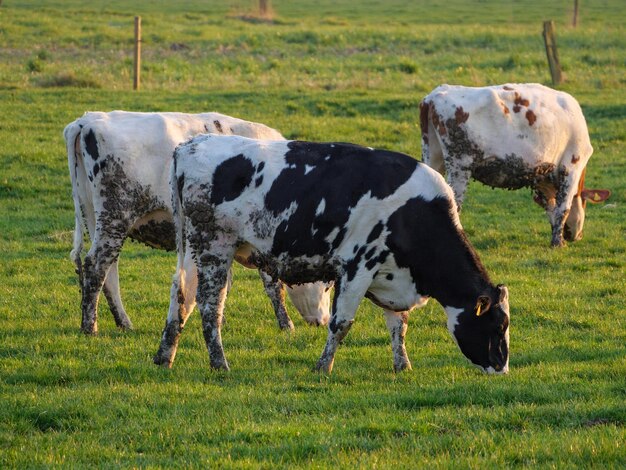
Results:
<point x="482" y="330"/>
<point x="312" y="302"/>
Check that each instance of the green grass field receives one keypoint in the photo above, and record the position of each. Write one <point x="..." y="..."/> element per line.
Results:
<point x="323" y="70"/>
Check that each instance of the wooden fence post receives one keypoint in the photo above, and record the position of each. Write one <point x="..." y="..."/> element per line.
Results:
<point x="575" y="17"/>
<point x="553" y="56"/>
<point x="137" y="75"/>
<point x="263" y="7"/>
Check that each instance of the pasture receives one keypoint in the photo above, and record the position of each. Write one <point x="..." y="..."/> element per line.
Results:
<point x="323" y="70"/>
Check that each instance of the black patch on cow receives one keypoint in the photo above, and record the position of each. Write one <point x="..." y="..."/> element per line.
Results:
<point x="376" y="231"/>
<point x="376" y="261"/>
<point x="218" y="126"/>
<point x="180" y="183"/>
<point x="442" y="262"/>
<point x="91" y="144"/>
<point x="258" y="181"/>
<point x="370" y="253"/>
<point x="340" y="174"/>
<point x="260" y="167"/>
<point x="96" y="168"/>
<point x="389" y="277"/>
<point x="156" y="234"/>
<point x="352" y="266"/>
<point x="231" y="178"/>
<point x="339" y="238"/>
<point x="510" y="172"/>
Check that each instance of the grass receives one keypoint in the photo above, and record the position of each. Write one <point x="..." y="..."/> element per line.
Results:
<point x="323" y="71"/>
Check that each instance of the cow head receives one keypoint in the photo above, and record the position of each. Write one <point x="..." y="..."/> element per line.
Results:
<point x="481" y="330"/>
<point x="312" y="300"/>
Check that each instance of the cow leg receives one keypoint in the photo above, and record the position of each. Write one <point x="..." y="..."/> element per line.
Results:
<point x="103" y="253"/>
<point x="112" y="294"/>
<point x="564" y="196"/>
<point x="275" y="290"/>
<point x="212" y="291"/>
<point x="458" y="179"/>
<point x="348" y="295"/>
<point x="182" y="303"/>
<point x="397" y="323"/>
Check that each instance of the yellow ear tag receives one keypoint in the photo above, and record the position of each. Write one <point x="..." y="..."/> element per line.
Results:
<point x="478" y="309"/>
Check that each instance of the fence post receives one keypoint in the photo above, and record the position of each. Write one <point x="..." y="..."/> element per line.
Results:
<point x="575" y="17"/>
<point x="553" y="56"/>
<point x="263" y="7"/>
<point x="137" y="76"/>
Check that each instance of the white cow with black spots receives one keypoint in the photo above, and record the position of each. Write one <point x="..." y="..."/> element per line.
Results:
<point x="119" y="164"/>
<point x="513" y="136"/>
<point x="377" y="223"/>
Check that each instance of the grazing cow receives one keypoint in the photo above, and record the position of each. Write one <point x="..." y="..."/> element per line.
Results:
<point x="512" y="136"/>
<point x="119" y="165"/>
<point x="376" y="223"/>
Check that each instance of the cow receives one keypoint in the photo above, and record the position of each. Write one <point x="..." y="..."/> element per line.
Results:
<point x="513" y="136"/>
<point x="119" y="166"/>
<point x="378" y="224"/>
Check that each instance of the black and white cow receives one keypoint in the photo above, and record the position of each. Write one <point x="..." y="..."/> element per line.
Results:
<point x="513" y="136"/>
<point x="377" y="223"/>
<point x="119" y="164"/>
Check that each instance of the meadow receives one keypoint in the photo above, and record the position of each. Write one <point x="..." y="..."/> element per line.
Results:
<point x="324" y="70"/>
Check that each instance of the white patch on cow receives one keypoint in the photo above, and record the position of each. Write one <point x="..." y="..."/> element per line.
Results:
<point x="320" y="209"/>
<point x="453" y="320"/>
<point x="308" y="169"/>
<point x="327" y="158"/>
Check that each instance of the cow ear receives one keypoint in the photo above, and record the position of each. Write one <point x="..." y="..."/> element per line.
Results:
<point x="482" y="305"/>
<point x="595" y="195"/>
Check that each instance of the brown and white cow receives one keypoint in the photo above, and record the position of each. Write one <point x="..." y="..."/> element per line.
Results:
<point x="119" y="164"/>
<point x="512" y="136"/>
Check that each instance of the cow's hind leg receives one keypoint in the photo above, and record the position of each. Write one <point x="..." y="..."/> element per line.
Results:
<point x="348" y="295"/>
<point x="103" y="253"/>
<point x="182" y="303"/>
<point x="114" y="298"/>
<point x="397" y="323"/>
<point x="275" y="290"/>
<point x="212" y="291"/>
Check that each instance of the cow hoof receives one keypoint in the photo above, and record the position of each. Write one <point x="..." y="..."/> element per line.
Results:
<point x="220" y="366"/>
<point x="93" y="331"/>
<point x="287" y="326"/>
<point x="402" y="366"/>
<point x="323" y="367"/>
<point x="126" y="326"/>
<point x="162" y="361"/>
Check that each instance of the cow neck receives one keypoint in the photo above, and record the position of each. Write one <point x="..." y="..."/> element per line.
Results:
<point x="424" y="237"/>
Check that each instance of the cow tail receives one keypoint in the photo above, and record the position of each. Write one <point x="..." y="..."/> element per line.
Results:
<point x="72" y="142"/>
<point x="176" y="186"/>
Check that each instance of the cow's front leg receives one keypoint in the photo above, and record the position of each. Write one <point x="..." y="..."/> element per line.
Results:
<point x="114" y="298"/>
<point x="103" y="253"/>
<point x="458" y="178"/>
<point x="559" y="213"/>
<point x="348" y="295"/>
<point x="182" y="303"/>
<point x="397" y="323"/>
<point x="275" y="290"/>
